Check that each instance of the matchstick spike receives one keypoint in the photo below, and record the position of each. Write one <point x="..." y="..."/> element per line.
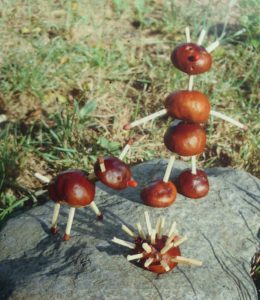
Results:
<point x="135" y="256"/>
<point x="165" y="266"/>
<point x="187" y="33"/>
<point x="148" y="223"/>
<point x="123" y="243"/>
<point x="148" y="262"/>
<point x="102" y="164"/>
<point x="140" y="230"/>
<point x="147" y="248"/>
<point x="201" y="37"/>
<point x="128" y="231"/>
<point x="187" y="261"/>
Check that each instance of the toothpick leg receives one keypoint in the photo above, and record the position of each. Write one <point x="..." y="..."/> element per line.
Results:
<point x="96" y="210"/>
<point x="69" y="224"/>
<point x="228" y="119"/>
<point x="169" y="169"/>
<point x="145" y="119"/>
<point x="55" y="216"/>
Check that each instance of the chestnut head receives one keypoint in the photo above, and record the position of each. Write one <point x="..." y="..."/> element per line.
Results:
<point x="117" y="175"/>
<point x="193" y="185"/>
<point x="185" y="139"/>
<point x="73" y="188"/>
<point x="185" y="105"/>
<point x="159" y="194"/>
<point x="191" y="58"/>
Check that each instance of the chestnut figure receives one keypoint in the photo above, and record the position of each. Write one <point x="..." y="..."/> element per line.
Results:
<point x="185" y="139"/>
<point x="191" y="58"/>
<point x="73" y="188"/>
<point x="193" y="185"/>
<point x="114" y="173"/>
<point x="159" y="194"/>
<point x="192" y="106"/>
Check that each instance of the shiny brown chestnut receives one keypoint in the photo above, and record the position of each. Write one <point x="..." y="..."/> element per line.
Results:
<point x="185" y="139"/>
<point x="192" y="106"/>
<point x="193" y="185"/>
<point x="117" y="175"/>
<point x="191" y="58"/>
<point x="159" y="194"/>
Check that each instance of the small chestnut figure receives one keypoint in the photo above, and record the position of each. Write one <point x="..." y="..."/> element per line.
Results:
<point x="72" y="188"/>
<point x="192" y="106"/>
<point x="193" y="185"/>
<point x="185" y="139"/>
<point x="191" y="58"/>
<point x="114" y="173"/>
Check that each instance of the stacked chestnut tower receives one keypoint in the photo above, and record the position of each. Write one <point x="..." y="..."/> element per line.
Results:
<point x="186" y="136"/>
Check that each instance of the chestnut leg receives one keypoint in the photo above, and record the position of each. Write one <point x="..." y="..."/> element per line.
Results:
<point x="55" y="218"/>
<point x="96" y="210"/>
<point x="69" y="224"/>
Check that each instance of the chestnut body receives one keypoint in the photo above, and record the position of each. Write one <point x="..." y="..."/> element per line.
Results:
<point x="193" y="185"/>
<point x="191" y="58"/>
<point x="159" y="194"/>
<point x="117" y="174"/>
<point x="156" y="267"/>
<point x="186" y="105"/>
<point x="73" y="188"/>
<point x="185" y="139"/>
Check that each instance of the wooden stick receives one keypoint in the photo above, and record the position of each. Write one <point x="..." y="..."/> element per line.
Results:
<point x="193" y="165"/>
<point x="165" y="266"/>
<point x="96" y="210"/>
<point x="145" y="119"/>
<point x="153" y="236"/>
<point x="173" y="244"/>
<point x="102" y="164"/>
<point x="213" y="46"/>
<point x="172" y="229"/>
<point x="146" y="248"/>
<point x="148" y="262"/>
<point x="158" y="226"/>
<point x="42" y="178"/>
<point x="123" y="243"/>
<point x="148" y="223"/>
<point x="170" y="238"/>
<point x="126" y="149"/>
<point x="201" y="37"/>
<point x="128" y="231"/>
<point x="187" y="33"/>
<point x="228" y="119"/>
<point x="140" y="230"/>
<point x="191" y="81"/>
<point x="70" y="220"/>
<point x="135" y="256"/>
<point x="169" y="169"/>
<point x="160" y="231"/>
<point x="55" y="216"/>
<point x="188" y="261"/>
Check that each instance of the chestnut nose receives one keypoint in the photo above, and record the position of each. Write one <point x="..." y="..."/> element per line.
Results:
<point x="132" y="183"/>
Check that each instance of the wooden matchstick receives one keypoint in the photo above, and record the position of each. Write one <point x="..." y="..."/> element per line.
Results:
<point x="153" y="237"/>
<point x="128" y="231"/>
<point x="135" y="256"/>
<point x="148" y="262"/>
<point x="145" y="119"/>
<point x="180" y="241"/>
<point x="191" y="81"/>
<point x="172" y="229"/>
<point x="102" y="164"/>
<point x="158" y="226"/>
<point x="148" y="223"/>
<point x="187" y="33"/>
<point x="170" y="238"/>
<point x="213" y="46"/>
<point x="169" y="169"/>
<point x="55" y="217"/>
<point x="146" y="248"/>
<point x="70" y="220"/>
<point x="193" y="165"/>
<point x="187" y="261"/>
<point x="160" y="230"/>
<point x="201" y="37"/>
<point x="165" y="265"/>
<point x="140" y="230"/>
<point x="228" y="119"/>
<point x="173" y="244"/>
<point x="125" y="149"/>
<point x="96" y="210"/>
<point x="123" y="243"/>
<point x="42" y="178"/>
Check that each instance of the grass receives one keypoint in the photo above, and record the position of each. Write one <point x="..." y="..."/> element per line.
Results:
<point x="73" y="72"/>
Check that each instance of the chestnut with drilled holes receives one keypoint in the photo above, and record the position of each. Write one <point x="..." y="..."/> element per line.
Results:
<point x="193" y="185"/>
<point x="116" y="174"/>
<point x="72" y="188"/>
<point x="159" y="194"/>
<point x="185" y="105"/>
<point x="185" y="139"/>
<point x="191" y="58"/>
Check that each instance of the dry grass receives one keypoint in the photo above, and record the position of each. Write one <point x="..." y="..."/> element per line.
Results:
<point x="73" y="72"/>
